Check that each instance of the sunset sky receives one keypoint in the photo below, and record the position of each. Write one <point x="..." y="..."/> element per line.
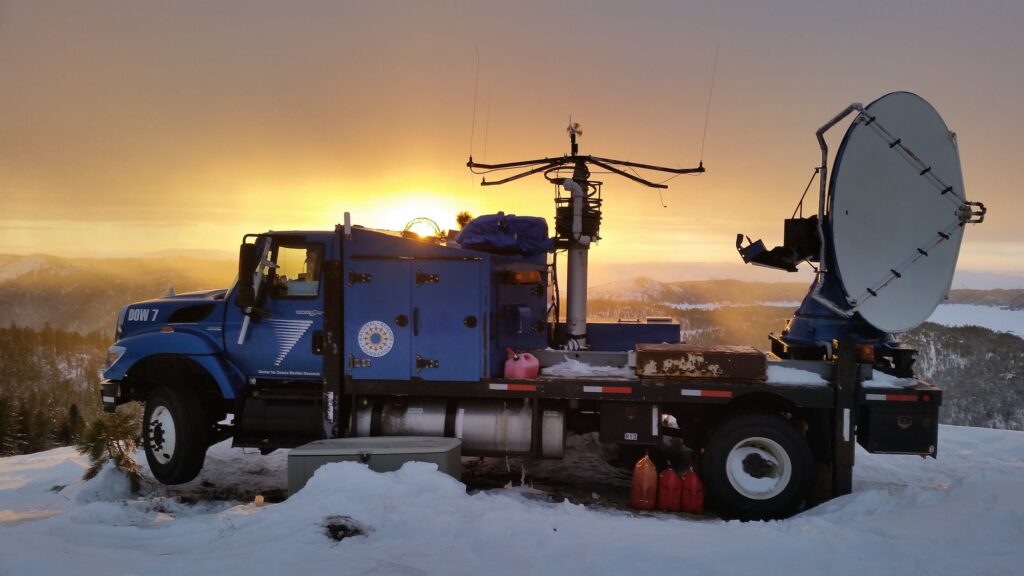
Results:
<point x="135" y="127"/>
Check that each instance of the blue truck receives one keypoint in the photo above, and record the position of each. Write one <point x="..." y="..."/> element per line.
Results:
<point x="360" y="332"/>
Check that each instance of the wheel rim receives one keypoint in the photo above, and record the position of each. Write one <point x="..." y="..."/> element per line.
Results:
<point x="758" y="468"/>
<point x="162" y="437"/>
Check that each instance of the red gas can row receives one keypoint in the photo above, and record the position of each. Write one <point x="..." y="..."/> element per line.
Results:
<point x="667" y="491"/>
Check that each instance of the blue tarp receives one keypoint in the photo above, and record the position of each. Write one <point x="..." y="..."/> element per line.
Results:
<point x="507" y="234"/>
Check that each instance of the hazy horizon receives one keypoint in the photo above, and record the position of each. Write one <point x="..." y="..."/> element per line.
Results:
<point x="602" y="273"/>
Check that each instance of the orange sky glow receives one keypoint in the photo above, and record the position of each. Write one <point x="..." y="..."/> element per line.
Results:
<point x="131" y="128"/>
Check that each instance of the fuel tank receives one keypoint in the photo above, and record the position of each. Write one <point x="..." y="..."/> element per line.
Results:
<point x="486" y="427"/>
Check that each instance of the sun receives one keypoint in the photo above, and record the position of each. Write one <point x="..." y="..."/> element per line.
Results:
<point x="423" y="227"/>
<point x="395" y="210"/>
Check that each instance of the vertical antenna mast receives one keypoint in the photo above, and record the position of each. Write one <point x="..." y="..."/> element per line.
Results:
<point x="577" y="213"/>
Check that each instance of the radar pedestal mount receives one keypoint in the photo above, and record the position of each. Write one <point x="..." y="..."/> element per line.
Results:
<point x="886" y="236"/>
<point x="578" y="213"/>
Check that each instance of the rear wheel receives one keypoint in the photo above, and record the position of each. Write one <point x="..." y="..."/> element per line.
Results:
<point x="174" y="433"/>
<point x="757" y="467"/>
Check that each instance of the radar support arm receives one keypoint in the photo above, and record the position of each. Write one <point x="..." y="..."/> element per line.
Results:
<point x="825" y="265"/>
<point x="823" y="172"/>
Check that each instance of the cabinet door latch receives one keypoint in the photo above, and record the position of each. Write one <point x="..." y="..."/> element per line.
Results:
<point x="422" y="363"/>
<point x="424" y="278"/>
<point x="355" y="277"/>
<point x="354" y="362"/>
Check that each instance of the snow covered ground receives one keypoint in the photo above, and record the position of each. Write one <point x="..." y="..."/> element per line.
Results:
<point x="960" y="514"/>
<point x="991" y="317"/>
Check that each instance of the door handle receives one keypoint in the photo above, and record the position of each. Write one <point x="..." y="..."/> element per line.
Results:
<point x="415" y="321"/>
<point x="318" y="342"/>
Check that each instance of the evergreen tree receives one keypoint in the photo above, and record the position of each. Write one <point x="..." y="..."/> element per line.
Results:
<point x="8" y="447"/>
<point x="75" y="425"/>
<point x="112" y="438"/>
<point x="22" y="428"/>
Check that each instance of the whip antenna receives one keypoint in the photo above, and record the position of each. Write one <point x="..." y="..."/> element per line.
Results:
<point x="487" y="122"/>
<point x="476" y="90"/>
<point x="707" y="113"/>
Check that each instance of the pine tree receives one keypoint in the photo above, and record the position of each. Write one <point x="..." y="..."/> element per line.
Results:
<point x="8" y="447"/>
<point x="22" y="427"/>
<point x="75" y="424"/>
<point x="112" y="438"/>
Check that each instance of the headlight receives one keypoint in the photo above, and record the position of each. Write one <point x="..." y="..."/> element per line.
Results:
<point x="120" y="323"/>
<point x="114" y="354"/>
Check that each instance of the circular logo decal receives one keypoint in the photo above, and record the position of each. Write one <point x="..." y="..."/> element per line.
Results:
<point x="376" y="338"/>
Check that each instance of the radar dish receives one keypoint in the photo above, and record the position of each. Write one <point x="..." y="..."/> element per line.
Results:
<point x="897" y="209"/>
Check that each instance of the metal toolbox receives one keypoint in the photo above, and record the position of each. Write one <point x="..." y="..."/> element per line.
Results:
<point x="690" y="361"/>
<point x="899" y="428"/>
<point x="380" y="453"/>
<point x="629" y="423"/>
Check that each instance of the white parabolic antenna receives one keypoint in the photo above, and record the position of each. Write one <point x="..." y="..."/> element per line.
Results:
<point x="897" y="211"/>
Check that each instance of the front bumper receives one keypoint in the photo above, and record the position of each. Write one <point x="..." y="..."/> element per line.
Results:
<point x="110" y="393"/>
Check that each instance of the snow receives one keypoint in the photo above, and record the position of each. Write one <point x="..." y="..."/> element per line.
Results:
<point x="573" y="368"/>
<point x="992" y="317"/>
<point x="795" y="376"/>
<point x="787" y="375"/>
<point x="883" y="380"/>
<point x="961" y="514"/>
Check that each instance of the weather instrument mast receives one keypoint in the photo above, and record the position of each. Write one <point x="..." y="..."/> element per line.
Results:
<point x="577" y="212"/>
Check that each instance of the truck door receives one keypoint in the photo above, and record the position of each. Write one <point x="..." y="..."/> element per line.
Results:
<point x="378" y="319"/>
<point x="285" y="341"/>
<point x="447" y="320"/>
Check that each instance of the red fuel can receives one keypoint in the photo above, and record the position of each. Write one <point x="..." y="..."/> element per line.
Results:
<point x="693" y="493"/>
<point x="645" y="485"/>
<point x="670" y="491"/>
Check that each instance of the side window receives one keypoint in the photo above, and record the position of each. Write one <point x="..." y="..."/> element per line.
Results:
<point x="297" y="271"/>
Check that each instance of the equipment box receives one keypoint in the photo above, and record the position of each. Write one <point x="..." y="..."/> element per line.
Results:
<point x="629" y="423"/>
<point x="380" y="453"/>
<point x="689" y="361"/>
<point x="898" y="428"/>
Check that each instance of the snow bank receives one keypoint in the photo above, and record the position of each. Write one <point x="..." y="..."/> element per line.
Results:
<point x="961" y="514"/>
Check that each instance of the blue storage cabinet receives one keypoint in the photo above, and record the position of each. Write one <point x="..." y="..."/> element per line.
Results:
<point x="413" y="309"/>
<point x="448" y="320"/>
<point x="378" y="331"/>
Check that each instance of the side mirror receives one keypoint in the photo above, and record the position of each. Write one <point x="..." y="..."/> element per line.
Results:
<point x="245" y="296"/>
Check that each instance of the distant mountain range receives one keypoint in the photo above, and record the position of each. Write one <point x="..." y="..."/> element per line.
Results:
<point x="83" y="294"/>
<point x="737" y="292"/>
<point x="698" y="292"/>
<point x="603" y="272"/>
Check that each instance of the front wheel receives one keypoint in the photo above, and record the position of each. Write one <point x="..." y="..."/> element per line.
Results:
<point x="174" y="433"/>
<point x="757" y="467"/>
